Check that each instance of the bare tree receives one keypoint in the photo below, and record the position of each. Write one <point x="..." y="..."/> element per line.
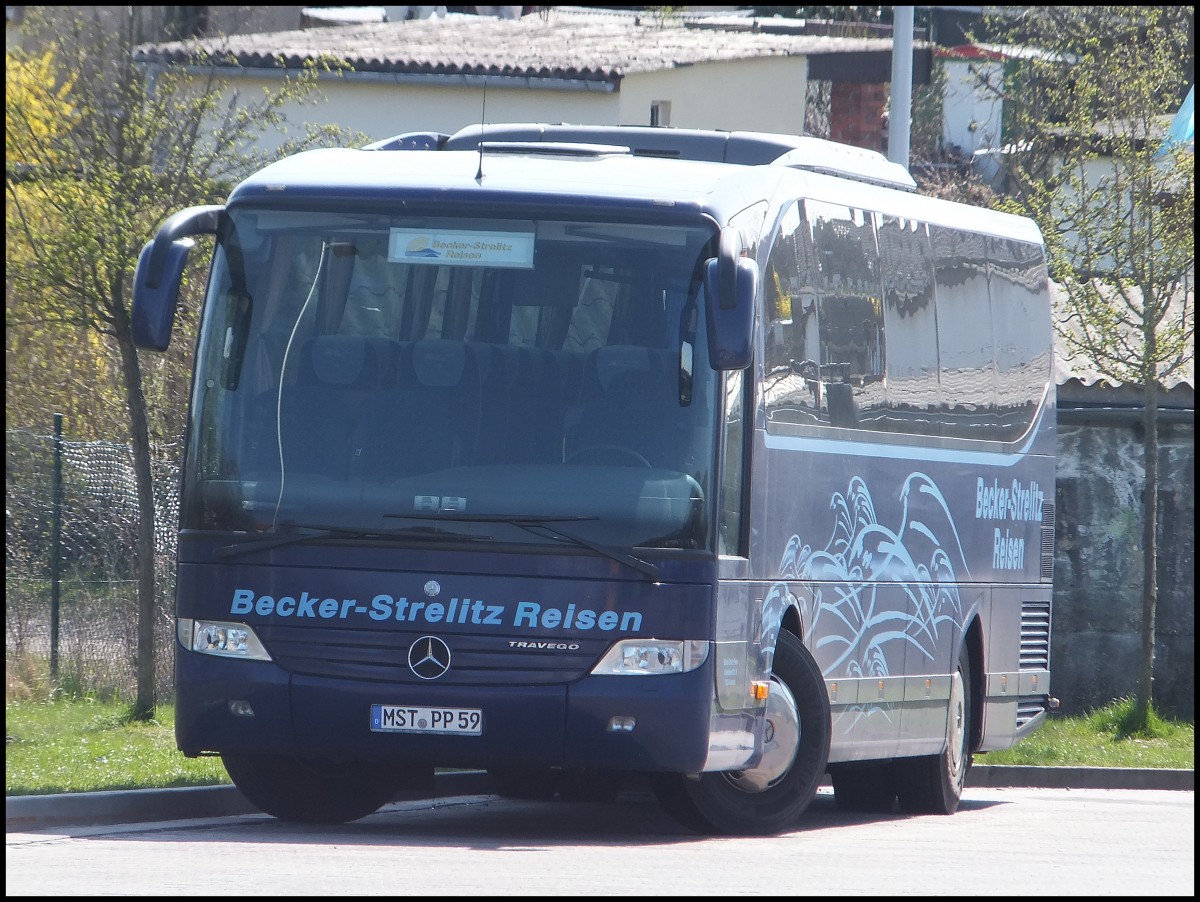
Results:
<point x="123" y="147"/>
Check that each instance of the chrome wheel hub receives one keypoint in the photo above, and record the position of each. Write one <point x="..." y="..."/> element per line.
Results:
<point x="956" y="729"/>
<point x="781" y="741"/>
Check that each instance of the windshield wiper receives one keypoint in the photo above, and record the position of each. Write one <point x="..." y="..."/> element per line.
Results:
<point x="324" y="532"/>
<point x="533" y="524"/>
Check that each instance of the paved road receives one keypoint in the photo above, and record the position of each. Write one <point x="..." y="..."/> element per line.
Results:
<point x="1092" y="842"/>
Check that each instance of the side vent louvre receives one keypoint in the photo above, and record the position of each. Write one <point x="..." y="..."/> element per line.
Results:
<point x="1029" y="707"/>
<point x="1035" y="635"/>
<point x="1048" y="541"/>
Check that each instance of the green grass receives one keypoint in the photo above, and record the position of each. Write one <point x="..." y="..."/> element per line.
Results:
<point x="1103" y="739"/>
<point x="88" y="744"/>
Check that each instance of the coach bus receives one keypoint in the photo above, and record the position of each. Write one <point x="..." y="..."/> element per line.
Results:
<point x="718" y="460"/>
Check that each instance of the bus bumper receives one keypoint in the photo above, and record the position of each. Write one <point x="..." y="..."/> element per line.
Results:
<point x="628" y="723"/>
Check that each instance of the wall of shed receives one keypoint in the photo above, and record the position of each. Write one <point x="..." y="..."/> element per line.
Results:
<point x="749" y="95"/>
<point x="1097" y="615"/>
<point x="380" y="108"/>
<point x="763" y="95"/>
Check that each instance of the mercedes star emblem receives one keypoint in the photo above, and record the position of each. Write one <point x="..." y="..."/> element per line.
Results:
<point x="429" y="657"/>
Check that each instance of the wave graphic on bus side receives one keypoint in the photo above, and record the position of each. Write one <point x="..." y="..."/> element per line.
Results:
<point x="872" y="593"/>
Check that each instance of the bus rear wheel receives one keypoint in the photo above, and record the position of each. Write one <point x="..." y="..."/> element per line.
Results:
<point x="313" y="791"/>
<point x="933" y="784"/>
<point x="770" y="797"/>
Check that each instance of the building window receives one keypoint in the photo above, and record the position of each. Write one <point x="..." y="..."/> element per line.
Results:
<point x="660" y="112"/>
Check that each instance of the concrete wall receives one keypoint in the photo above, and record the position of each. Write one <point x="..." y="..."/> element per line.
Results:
<point x="1096" y="632"/>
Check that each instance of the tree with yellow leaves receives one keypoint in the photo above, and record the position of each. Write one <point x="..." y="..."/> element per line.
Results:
<point x="99" y="151"/>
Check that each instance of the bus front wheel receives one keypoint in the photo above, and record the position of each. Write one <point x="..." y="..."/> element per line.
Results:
<point x="314" y="792"/>
<point x="771" y="796"/>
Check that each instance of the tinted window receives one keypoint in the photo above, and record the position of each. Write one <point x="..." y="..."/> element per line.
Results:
<point x="825" y="350"/>
<point x="967" y="352"/>
<point x="910" y="317"/>
<point x="964" y="326"/>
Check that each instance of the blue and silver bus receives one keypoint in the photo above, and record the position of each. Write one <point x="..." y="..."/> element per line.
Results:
<point x="722" y="460"/>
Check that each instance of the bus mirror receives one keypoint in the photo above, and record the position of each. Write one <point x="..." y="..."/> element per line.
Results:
<point x="159" y="273"/>
<point x="730" y="282"/>
<point x="154" y="306"/>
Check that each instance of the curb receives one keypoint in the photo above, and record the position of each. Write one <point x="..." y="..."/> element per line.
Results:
<point x="195" y="802"/>
<point x="83" y="809"/>
<point x="1012" y="775"/>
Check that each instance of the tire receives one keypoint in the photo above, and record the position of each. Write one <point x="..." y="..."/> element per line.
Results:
<point x="771" y="797"/>
<point x="314" y="792"/>
<point x="524" y="783"/>
<point x="933" y="784"/>
<point x="869" y="787"/>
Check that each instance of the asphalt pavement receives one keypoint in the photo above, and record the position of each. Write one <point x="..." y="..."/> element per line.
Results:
<point x="144" y="805"/>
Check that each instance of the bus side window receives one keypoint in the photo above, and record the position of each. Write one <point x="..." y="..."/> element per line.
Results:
<point x="1016" y="274"/>
<point x="913" y="384"/>
<point x="850" y="314"/>
<point x="791" y="379"/>
<point x="964" y="326"/>
<point x="730" y="539"/>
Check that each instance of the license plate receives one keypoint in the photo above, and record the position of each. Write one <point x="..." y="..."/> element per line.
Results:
<point x="412" y="719"/>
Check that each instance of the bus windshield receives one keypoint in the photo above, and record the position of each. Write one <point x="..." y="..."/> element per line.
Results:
<point x="450" y="378"/>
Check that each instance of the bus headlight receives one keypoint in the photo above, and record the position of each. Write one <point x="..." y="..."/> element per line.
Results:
<point x="636" y="657"/>
<point x="214" y="637"/>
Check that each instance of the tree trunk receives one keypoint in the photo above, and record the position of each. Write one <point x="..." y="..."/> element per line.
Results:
<point x="1145" y="688"/>
<point x="139" y="431"/>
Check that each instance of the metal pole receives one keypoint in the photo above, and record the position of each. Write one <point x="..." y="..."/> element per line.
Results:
<point x="56" y="548"/>
<point x="900" y="118"/>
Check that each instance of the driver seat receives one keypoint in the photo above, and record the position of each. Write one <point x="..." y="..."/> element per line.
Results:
<point x="630" y="401"/>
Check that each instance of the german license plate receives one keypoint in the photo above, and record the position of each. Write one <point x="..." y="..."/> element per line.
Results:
<point x="414" y="719"/>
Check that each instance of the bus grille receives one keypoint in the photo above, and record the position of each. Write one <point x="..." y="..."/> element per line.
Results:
<point x="1035" y="635"/>
<point x="382" y="656"/>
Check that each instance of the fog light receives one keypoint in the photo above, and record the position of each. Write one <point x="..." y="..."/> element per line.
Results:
<point x="622" y="724"/>
<point x="239" y="707"/>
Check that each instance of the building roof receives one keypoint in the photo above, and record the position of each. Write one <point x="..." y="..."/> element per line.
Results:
<point x="601" y="49"/>
<point x="1079" y="376"/>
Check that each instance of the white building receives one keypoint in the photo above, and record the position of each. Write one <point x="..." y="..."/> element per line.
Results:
<point x="589" y="67"/>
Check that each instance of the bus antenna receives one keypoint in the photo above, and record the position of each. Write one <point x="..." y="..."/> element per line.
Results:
<point x="482" y="123"/>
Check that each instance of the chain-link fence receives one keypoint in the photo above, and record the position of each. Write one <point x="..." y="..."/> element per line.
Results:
<point x="70" y="545"/>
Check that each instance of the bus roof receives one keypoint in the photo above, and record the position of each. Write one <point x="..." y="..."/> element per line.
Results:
<point x="531" y="177"/>
<point x="521" y="172"/>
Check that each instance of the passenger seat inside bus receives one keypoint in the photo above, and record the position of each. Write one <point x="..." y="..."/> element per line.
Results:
<point x="336" y="376"/>
<point x="428" y="419"/>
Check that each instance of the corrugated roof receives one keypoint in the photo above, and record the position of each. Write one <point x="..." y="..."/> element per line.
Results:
<point x="553" y="47"/>
<point x="1069" y="367"/>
